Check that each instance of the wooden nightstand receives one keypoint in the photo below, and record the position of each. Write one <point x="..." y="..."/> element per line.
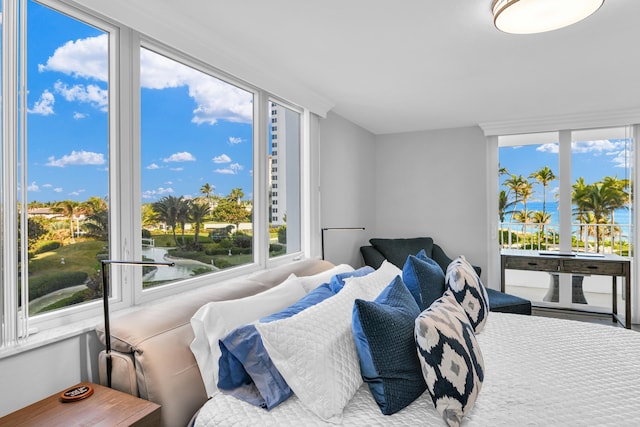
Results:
<point x="105" y="407"/>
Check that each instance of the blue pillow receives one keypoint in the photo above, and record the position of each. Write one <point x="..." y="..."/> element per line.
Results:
<point x="383" y="330"/>
<point x="337" y="281"/>
<point x="424" y="279"/>
<point x="245" y="368"/>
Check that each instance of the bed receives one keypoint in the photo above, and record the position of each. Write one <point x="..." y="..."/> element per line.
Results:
<point x="537" y="371"/>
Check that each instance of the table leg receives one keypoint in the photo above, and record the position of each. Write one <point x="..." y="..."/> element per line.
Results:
<point x="614" y="303"/>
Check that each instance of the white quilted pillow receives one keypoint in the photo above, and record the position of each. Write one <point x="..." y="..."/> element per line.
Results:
<point x="314" y="350"/>
<point x="214" y="320"/>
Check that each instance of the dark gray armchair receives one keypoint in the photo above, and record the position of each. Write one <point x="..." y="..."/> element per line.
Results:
<point x="396" y="252"/>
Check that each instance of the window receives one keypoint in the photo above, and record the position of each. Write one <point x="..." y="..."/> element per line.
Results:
<point x="88" y="175"/>
<point x="197" y="156"/>
<point x="590" y="212"/>
<point x="285" y="236"/>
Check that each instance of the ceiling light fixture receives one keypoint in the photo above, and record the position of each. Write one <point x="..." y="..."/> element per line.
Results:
<point x="539" y="16"/>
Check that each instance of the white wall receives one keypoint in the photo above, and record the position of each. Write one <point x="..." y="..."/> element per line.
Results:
<point x="433" y="184"/>
<point x="347" y="188"/>
<point x="35" y="374"/>
<point x="430" y="183"/>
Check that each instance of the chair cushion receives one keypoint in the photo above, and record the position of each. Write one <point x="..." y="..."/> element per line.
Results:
<point x="506" y="303"/>
<point x="397" y="250"/>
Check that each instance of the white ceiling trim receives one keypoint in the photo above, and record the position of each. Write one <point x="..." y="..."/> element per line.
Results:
<point x="563" y="122"/>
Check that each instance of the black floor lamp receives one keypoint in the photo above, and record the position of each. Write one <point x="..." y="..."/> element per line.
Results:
<point x="105" y="300"/>
<point x="322" y="230"/>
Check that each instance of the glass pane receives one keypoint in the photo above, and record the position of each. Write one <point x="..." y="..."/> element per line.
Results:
<point x="601" y="176"/>
<point x="528" y="206"/>
<point x="66" y="159"/>
<point x="284" y="181"/>
<point x="197" y="181"/>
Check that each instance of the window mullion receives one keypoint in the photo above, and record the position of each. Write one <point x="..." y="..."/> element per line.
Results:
<point x="10" y="54"/>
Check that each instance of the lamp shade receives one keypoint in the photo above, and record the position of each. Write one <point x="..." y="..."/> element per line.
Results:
<point x="539" y="16"/>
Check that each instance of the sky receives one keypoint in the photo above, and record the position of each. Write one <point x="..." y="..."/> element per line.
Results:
<point x="195" y="129"/>
<point x="591" y="160"/>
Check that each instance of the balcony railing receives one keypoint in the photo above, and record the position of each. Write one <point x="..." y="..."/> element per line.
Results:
<point x="590" y="238"/>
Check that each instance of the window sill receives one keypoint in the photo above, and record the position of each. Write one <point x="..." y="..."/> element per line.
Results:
<point x="46" y="337"/>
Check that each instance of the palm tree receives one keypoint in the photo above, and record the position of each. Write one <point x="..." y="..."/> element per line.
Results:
<point x="68" y="209"/>
<point x="197" y="212"/>
<point x="577" y="192"/>
<point x="593" y="199"/>
<point x="167" y="210"/>
<point x="541" y="218"/>
<point x="544" y="176"/>
<point x="183" y="215"/>
<point x="236" y="195"/>
<point x="617" y="197"/>
<point x="208" y="189"/>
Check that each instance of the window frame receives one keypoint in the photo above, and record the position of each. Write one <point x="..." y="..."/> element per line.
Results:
<point x="125" y="180"/>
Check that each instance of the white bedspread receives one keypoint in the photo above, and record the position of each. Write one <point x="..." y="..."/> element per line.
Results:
<point x="538" y="372"/>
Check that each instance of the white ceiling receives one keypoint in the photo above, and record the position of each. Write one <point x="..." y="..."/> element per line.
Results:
<point x="411" y="64"/>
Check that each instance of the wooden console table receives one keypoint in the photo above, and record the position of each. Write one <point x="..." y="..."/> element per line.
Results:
<point x="602" y="265"/>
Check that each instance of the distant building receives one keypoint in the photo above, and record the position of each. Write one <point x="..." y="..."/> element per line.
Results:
<point x="44" y="212"/>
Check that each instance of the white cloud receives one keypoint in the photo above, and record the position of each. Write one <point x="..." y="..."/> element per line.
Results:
<point x="183" y="156"/>
<point x="91" y="94"/>
<point x="76" y="193"/>
<point x="622" y="159"/>
<point x="44" y="105"/>
<point x="152" y="194"/>
<point x="47" y="185"/>
<point x="233" y="140"/>
<point x="82" y="58"/>
<point x="77" y="158"/>
<point x="79" y="116"/>
<point x="58" y="189"/>
<point x="33" y="187"/>
<point x="153" y="166"/>
<point x="215" y="100"/>
<point x="176" y="169"/>
<point x="223" y="158"/>
<point x="594" y="147"/>
<point x="233" y="169"/>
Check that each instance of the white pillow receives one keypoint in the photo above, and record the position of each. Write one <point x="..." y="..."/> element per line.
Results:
<point x="312" y="282"/>
<point x="214" y="320"/>
<point x="314" y="350"/>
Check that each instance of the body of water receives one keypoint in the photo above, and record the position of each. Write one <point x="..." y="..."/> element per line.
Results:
<point x="621" y="216"/>
<point x="182" y="270"/>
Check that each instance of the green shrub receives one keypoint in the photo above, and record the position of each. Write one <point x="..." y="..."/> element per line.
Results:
<point x="40" y="286"/>
<point x="242" y="240"/>
<point x="222" y="263"/>
<point x="46" y="246"/>
<point x="282" y="234"/>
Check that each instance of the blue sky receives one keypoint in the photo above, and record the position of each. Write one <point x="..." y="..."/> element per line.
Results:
<point x="195" y="129"/>
<point x="591" y="160"/>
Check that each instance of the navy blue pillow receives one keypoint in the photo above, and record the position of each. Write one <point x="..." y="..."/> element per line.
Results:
<point x="424" y="279"/>
<point x="383" y="330"/>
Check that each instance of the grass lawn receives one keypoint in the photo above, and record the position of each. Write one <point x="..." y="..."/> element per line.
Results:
<point x="80" y="256"/>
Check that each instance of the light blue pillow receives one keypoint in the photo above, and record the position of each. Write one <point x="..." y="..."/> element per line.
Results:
<point x="245" y="368"/>
<point x="424" y="279"/>
<point x="337" y="281"/>
<point x="383" y="331"/>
